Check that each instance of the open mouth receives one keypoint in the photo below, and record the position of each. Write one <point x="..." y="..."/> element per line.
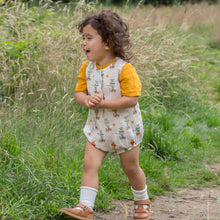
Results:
<point x="87" y="51"/>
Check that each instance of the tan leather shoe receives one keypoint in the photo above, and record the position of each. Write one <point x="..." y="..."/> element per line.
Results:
<point x="84" y="214"/>
<point x="140" y="212"/>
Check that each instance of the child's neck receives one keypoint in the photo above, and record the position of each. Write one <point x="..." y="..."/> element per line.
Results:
<point x="106" y="60"/>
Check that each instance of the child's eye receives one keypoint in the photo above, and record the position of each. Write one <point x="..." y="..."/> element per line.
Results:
<point x="87" y="38"/>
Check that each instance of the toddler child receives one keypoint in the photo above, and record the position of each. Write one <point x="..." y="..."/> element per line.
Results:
<point x="109" y="86"/>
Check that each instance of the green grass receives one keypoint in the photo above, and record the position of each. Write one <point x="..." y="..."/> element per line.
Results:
<point x="41" y="137"/>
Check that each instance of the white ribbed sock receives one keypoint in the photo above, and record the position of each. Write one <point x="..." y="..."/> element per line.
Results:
<point x="140" y="195"/>
<point x="87" y="196"/>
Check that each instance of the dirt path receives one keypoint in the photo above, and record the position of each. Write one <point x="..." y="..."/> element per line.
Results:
<point x="201" y="204"/>
<point x="186" y="204"/>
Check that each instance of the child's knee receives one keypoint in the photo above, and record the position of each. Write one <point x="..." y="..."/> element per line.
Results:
<point x="131" y="170"/>
<point x="91" y="164"/>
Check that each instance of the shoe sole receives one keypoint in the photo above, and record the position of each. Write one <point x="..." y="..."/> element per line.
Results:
<point x="74" y="216"/>
<point x="141" y="218"/>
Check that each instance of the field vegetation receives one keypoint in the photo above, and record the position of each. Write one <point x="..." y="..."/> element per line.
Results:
<point x="176" y="51"/>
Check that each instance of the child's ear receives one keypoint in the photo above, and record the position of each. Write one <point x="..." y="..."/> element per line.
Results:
<point x="107" y="46"/>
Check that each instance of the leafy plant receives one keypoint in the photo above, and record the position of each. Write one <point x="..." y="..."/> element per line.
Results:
<point x="41" y="137"/>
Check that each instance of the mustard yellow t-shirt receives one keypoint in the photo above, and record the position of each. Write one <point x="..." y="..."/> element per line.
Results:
<point x="130" y="82"/>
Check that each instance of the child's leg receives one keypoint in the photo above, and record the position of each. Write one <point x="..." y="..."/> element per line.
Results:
<point x="130" y="165"/>
<point x="92" y="161"/>
<point x="89" y="185"/>
<point x="136" y="176"/>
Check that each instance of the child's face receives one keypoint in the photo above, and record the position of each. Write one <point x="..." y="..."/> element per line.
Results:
<point x="94" y="47"/>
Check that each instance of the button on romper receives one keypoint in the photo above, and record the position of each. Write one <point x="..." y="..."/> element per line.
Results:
<point x="116" y="130"/>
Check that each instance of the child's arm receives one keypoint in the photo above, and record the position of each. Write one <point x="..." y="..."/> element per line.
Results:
<point x="88" y="100"/>
<point x="95" y="101"/>
<point x="119" y="103"/>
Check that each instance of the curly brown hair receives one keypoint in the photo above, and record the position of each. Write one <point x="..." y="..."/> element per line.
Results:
<point x="113" y="31"/>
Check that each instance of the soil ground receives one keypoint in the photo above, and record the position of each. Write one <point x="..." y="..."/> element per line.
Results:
<point x="185" y="204"/>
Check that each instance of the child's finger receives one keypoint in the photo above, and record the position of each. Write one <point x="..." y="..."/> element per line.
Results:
<point x="91" y="104"/>
<point x="96" y="99"/>
<point x="99" y="96"/>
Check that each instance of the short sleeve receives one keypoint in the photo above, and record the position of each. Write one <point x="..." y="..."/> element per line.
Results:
<point x="81" y="85"/>
<point x="130" y="82"/>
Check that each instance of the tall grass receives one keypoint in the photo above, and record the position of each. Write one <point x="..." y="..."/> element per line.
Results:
<point x="41" y="139"/>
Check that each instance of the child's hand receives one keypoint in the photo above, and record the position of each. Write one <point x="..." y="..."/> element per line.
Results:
<point x="93" y="100"/>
